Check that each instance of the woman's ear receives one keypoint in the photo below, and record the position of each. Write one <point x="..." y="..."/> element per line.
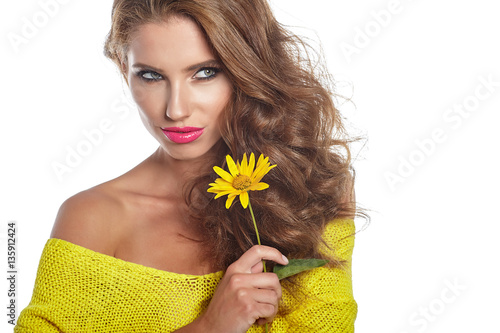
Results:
<point x="123" y="66"/>
<point x="124" y="69"/>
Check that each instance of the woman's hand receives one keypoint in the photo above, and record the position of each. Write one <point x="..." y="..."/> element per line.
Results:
<point x="245" y="295"/>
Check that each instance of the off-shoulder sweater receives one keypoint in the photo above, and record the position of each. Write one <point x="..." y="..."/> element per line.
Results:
<point x="79" y="290"/>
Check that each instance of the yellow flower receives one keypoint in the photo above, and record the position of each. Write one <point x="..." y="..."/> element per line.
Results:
<point x="240" y="179"/>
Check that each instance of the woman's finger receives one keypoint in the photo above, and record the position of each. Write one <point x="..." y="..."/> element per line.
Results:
<point x="267" y="296"/>
<point x="264" y="303"/>
<point x="261" y="281"/>
<point x="254" y="256"/>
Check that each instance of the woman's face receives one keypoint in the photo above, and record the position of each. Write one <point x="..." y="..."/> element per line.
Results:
<point x="178" y="86"/>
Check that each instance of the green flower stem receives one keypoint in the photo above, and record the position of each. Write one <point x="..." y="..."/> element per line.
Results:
<point x="258" y="237"/>
<point x="256" y="230"/>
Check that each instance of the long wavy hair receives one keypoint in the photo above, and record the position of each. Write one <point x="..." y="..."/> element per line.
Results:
<point x="282" y="106"/>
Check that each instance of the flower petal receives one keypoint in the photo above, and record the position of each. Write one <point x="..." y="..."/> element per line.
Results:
<point x="222" y="189"/>
<point x="261" y="158"/>
<point x="213" y="190"/>
<point x="244" y="198"/>
<point x="260" y="172"/>
<point x="230" y="200"/>
<point x="262" y="162"/>
<point x="221" y="181"/>
<point x="244" y="166"/>
<point x="251" y="164"/>
<point x="223" y="186"/>
<point x="258" y="187"/>
<point x="232" y="166"/>
<point x="223" y="193"/>
<point x="224" y="174"/>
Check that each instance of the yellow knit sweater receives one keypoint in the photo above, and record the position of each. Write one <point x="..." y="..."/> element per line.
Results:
<point x="79" y="290"/>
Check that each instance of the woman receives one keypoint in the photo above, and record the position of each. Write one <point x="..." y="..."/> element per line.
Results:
<point x="151" y="250"/>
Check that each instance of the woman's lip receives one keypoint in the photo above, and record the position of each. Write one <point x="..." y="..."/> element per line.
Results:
<point x="182" y="134"/>
<point x="181" y="129"/>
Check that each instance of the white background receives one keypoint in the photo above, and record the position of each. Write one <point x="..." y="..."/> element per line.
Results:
<point x="426" y="263"/>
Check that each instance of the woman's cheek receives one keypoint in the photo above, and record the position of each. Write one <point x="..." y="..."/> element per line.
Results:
<point x="149" y="99"/>
<point x="214" y="97"/>
<point x="139" y="94"/>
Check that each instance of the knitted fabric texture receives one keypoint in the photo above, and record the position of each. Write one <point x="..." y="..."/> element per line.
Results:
<point x="79" y="290"/>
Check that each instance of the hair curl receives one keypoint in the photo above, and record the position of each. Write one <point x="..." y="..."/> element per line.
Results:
<point x="282" y="107"/>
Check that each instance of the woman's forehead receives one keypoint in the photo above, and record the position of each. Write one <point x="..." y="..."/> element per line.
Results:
<point x="176" y="40"/>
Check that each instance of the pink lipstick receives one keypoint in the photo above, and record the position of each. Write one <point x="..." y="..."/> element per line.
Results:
<point x="182" y="134"/>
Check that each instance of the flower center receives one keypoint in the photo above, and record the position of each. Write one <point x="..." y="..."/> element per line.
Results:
<point x="242" y="182"/>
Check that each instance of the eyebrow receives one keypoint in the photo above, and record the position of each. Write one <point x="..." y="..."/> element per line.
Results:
<point x="208" y="63"/>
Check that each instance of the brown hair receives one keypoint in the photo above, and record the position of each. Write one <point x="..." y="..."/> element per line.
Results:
<point x="282" y="107"/>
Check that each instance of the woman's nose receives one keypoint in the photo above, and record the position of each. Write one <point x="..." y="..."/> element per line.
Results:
<point x="178" y="104"/>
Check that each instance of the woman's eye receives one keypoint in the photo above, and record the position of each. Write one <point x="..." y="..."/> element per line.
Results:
<point x="206" y="73"/>
<point x="150" y="76"/>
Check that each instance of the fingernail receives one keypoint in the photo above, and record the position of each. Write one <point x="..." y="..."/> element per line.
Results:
<point x="285" y="259"/>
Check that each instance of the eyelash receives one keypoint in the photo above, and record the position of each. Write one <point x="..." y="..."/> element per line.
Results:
<point x="141" y="74"/>
<point x="216" y="70"/>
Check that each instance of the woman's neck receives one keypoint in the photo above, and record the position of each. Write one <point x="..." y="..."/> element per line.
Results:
<point x="176" y="173"/>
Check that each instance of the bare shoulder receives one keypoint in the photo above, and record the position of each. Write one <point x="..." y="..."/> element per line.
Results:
<point x="89" y="219"/>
